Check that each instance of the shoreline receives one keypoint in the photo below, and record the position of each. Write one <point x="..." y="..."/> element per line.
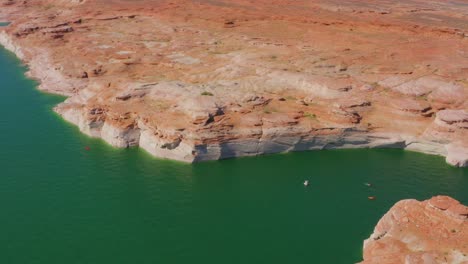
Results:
<point x="167" y="144"/>
<point x="139" y="137"/>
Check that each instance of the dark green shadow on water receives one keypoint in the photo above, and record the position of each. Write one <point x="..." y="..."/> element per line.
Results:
<point x="62" y="203"/>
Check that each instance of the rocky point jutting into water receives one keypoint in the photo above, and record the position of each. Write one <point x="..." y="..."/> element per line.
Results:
<point x="413" y="232"/>
<point x="203" y="80"/>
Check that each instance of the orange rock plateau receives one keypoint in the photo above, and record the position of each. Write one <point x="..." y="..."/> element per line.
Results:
<point x="196" y="80"/>
<point x="429" y="232"/>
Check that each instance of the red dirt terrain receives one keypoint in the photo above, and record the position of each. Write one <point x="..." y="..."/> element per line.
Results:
<point x="210" y="79"/>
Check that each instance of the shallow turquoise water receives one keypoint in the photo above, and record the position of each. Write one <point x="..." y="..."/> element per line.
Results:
<point x="63" y="204"/>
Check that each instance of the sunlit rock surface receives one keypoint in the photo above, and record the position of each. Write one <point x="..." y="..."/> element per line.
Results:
<point x="413" y="232"/>
<point x="201" y="80"/>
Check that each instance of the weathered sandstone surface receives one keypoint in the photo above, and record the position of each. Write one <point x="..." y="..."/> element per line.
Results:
<point x="201" y="80"/>
<point x="413" y="232"/>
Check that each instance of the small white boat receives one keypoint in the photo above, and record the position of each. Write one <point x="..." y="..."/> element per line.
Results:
<point x="306" y="183"/>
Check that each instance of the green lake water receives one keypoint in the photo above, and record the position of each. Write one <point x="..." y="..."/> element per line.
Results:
<point x="61" y="203"/>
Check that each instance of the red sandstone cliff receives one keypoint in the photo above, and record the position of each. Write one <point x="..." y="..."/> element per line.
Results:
<point x="202" y="80"/>
<point x="412" y="232"/>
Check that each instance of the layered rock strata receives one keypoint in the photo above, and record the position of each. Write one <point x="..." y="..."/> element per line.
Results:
<point x="205" y="80"/>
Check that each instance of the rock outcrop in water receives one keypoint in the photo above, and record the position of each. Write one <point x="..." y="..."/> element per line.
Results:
<point x="203" y="80"/>
<point x="413" y="232"/>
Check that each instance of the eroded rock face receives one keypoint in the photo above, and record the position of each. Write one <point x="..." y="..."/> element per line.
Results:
<point x="413" y="232"/>
<point x="200" y="80"/>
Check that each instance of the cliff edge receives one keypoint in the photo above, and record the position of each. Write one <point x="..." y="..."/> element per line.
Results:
<point x="411" y="232"/>
<point x="205" y="80"/>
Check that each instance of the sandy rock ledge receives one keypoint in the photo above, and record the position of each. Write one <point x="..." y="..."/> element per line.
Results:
<point x="412" y="232"/>
<point x="198" y="80"/>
